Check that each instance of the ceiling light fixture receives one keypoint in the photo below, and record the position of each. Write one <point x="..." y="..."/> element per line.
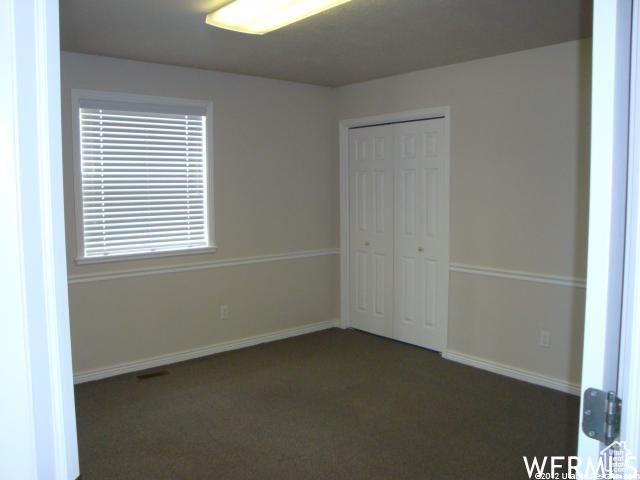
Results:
<point x="262" y="16"/>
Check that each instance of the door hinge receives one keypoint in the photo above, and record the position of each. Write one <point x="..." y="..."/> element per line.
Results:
<point x="601" y="415"/>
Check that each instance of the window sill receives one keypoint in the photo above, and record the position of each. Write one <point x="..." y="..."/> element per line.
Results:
<point x="144" y="256"/>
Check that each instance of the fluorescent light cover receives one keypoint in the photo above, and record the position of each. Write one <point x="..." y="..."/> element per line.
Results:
<point x="262" y="16"/>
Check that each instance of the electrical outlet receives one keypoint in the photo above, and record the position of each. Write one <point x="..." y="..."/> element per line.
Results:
<point x="224" y="312"/>
<point x="545" y="339"/>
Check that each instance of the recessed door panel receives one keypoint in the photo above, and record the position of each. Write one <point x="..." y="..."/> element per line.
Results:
<point x="408" y="145"/>
<point x="379" y="277"/>
<point x="408" y="202"/>
<point x="430" y="275"/>
<point x="361" y="281"/>
<point x="379" y="201"/>
<point x="430" y="207"/>
<point x="361" y="200"/>
<point x="407" y="289"/>
<point x="431" y="144"/>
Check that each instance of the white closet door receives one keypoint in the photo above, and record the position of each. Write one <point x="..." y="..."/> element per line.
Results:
<point x="421" y="237"/>
<point x="371" y="229"/>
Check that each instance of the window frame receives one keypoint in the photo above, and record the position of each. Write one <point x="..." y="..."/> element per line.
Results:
<point x="77" y="97"/>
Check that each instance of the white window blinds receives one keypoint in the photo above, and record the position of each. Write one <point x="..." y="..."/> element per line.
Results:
<point x="143" y="180"/>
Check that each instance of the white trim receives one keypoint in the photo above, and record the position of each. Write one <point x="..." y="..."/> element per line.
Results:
<point x="18" y="452"/>
<point x="38" y="418"/>
<point x="144" y="256"/>
<point x="607" y="203"/>
<point x="54" y="281"/>
<point x="629" y="370"/>
<point x="344" y="225"/>
<point x="512" y="372"/>
<point x="574" y="282"/>
<point x="77" y="96"/>
<point x="204" y="351"/>
<point x="230" y="262"/>
<point x="407" y="116"/>
<point x="344" y="126"/>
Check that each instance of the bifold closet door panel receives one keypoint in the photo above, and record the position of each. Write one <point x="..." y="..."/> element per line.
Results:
<point x="371" y="233"/>
<point x="421" y="267"/>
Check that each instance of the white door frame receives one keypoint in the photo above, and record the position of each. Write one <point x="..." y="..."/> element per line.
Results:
<point x="609" y="127"/>
<point x="37" y="412"/>
<point x="345" y="125"/>
<point x="629" y="370"/>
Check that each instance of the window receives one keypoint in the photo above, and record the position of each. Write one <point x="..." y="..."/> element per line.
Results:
<point x="142" y="176"/>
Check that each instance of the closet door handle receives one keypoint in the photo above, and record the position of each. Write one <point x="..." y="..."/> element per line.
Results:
<point x="420" y="249"/>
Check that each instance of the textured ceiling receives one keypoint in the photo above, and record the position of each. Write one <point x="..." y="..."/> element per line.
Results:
<point x="358" y="41"/>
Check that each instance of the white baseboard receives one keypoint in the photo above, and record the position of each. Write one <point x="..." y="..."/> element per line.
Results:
<point x="513" y="372"/>
<point x="153" y="362"/>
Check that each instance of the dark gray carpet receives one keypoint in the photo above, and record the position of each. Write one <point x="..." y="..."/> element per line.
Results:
<point x="329" y="405"/>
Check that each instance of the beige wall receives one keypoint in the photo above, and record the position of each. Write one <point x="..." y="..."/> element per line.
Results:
<point x="519" y="180"/>
<point x="519" y="170"/>
<point x="275" y="191"/>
